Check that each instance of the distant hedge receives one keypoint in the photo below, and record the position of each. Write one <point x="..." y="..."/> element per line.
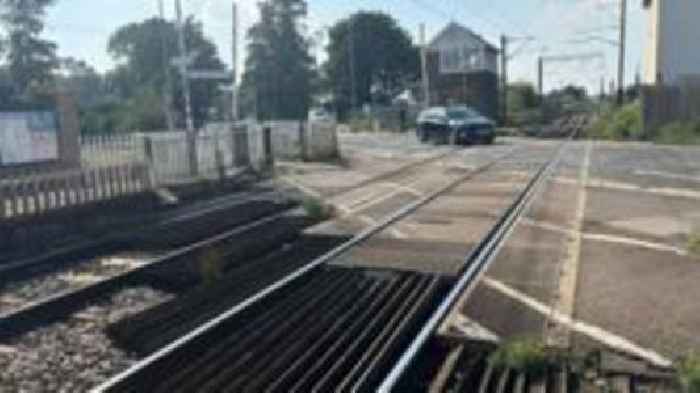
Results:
<point x="626" y="124"/>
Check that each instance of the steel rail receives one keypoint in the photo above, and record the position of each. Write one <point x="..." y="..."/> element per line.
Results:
<point x="393" y="173"/>
<point x="61" y="257"/>
<point x="358" y="239"/>
<point x="56" y="307"/>
<point x="475" y="263"/>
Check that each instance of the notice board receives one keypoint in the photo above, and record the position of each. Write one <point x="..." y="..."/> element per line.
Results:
<point x="28" y="137"/>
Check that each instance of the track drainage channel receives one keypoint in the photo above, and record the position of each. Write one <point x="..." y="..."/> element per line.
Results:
<point x="336" y="329"/>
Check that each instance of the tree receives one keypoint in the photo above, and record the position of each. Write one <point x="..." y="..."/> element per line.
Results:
<point x="279" y="70"/>
<point x="521" y="96"/>
<point x="384" y="58"/>
<point x="31" y="59"/>
<point x="568" y="99"/>
<point x="523" y="104"/>
<point x="140" y="76"/>
<point x="82" y="81"/>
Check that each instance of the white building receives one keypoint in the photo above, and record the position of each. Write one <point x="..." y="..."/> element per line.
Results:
<point x="672" y="53"/>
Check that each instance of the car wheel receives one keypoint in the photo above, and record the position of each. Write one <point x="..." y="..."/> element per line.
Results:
<point x="422" y="135"/>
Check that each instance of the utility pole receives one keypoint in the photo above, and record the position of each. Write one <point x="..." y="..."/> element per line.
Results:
<point x="611" y="87"/>
<point x="425" y="78"/>
<point x="504" y="78"/>
<point x="540" y="86"/>
<point x="183" y="63"/>
<point x="540" y="78"/>
<point x="601" y="101"/>
<point x="621" y="59"/>
<point x="351" y="49"/>
<point x="234" y="68"/>
<point x="167" y="87"/>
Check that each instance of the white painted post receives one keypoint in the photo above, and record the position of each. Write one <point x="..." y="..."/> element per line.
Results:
<point x="32" y="196"/>
<point x="3" y="206"/>
<point x="21" y="197"/>
<point x="12" y="194"/>
<point x="148" y="155"/>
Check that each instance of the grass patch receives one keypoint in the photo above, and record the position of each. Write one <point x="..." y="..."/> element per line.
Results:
<point x="689" y="373"/>
<point x="679" y="133"/>
<point x="211" y="266"/>
<point x="525" y="355"/>
<point x="694" y="244"/>
<point x="317" y="210"/>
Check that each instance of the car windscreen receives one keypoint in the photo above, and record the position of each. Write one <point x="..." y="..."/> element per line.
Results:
<point x="461" y="113"/>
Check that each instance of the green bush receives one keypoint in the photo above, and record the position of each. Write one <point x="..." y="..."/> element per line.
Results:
<point x="627" y="122"/>
<point x="689" y="373"/>
<point x="524" y="355"/>
<point x="679" y="133"/>
<point x="317" y="210"/>
<point x="621" y="124"/>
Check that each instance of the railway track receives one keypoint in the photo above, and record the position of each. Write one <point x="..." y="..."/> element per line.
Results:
<point x="45" y="298"/>
<point x="65" y="279"/>
<point x="395" y="175"/>
<point x="72" y="320"/>
<point x="278" y="322"/>
<point x="206" y="220"/>
<point x="474" y="265"/>
<point x="154" y="328"/>
<point x="323" y="334"/>
<point x="321" y="328"/>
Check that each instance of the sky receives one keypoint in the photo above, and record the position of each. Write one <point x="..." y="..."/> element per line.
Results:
<point x="82" y="28"/>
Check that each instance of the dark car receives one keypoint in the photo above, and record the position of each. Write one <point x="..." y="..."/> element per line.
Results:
<point x="454" y="125"/>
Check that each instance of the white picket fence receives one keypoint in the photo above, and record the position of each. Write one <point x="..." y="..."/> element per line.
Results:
<point x="119" y="165"/>
<point x="39" y="193"/>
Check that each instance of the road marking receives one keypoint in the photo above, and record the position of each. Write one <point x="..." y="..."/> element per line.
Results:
<point x="635" y="242"/>
<point x="303" y="188"/>
<point x="362" y="200"/>
<point x="398" y="190"/>
<point x="391" y="230"/>
<point x="596" y="333"/>
<point x="602" y="237"/>
<point x="406" y="188"/>
<point x="565" y="300"/>
<point x="668" y="175"/>
<point x="613" y="185"/>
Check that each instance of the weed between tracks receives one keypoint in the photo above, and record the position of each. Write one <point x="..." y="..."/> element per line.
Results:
<point x="211" y="265"/>
<point x="694" y="244"/>
<point x="526" y="355"/>
<point x="689" y="373"/>
<point x="317" y="210"/>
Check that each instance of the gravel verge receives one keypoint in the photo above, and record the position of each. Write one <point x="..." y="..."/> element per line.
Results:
<point x="74" y="355"/>
<point x="17" y="294"/>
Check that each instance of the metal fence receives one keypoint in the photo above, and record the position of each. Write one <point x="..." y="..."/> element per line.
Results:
<point x="666" y="104"/>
